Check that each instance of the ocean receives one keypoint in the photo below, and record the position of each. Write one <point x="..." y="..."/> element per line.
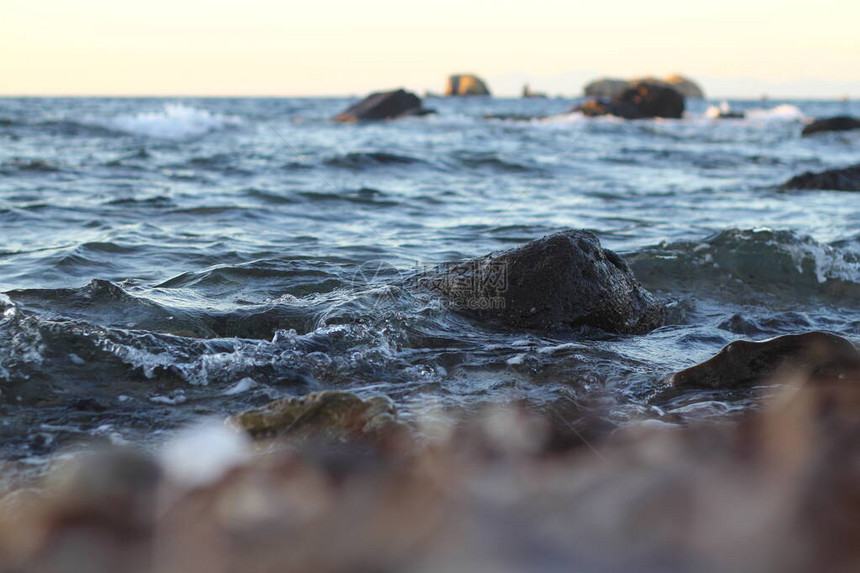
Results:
<point x="169" y="260"/>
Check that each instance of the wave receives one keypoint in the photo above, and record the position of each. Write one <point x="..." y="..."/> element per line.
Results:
<point x="761" y="259"/>
<point x="476" y="160"/>
<point x="363" y="159"/>
<point x="783" y="112"/>
<point x="174" y="122"/>
<point x="30" y="165"/>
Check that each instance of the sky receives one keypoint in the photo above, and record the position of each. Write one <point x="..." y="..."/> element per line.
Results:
<point x="733" y="48"/>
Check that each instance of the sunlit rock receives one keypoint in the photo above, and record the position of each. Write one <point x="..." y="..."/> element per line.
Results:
<point x="466" y="85"/>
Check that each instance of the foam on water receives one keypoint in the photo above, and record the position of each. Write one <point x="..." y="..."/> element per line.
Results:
<point x="783" y="112"/>
<point x="174" y="121"/>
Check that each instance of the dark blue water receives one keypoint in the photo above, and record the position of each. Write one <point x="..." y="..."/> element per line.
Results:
<point x="164" y="260"/>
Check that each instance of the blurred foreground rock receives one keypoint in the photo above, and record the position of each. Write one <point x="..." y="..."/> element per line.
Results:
<point x="778" y="492"/>
<point x="327" y="417"/>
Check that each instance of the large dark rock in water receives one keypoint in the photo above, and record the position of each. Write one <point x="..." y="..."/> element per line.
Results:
<point x="384" y="105"/>
<point x="562" y="280"/>
<point x="639" y="101"/>
<point x="812" y="355"/>
<point x="847" y="179"/>
<point x="838" y="123"/>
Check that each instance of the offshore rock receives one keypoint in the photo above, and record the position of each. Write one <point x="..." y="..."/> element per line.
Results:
<point x="838" y="123"/>
<point x="466" y="85"/>
<point x="811" y="355"/>
<point x="384" y="105"/>
<point x="639" y="101"/>
<point x="609" y="88"/>
<point x="562" y="280"/>
<point x="847" y="179"/>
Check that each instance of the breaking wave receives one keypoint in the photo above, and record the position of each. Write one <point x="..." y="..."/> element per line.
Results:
<point x="764" y="259"/>
<point x="174" y="121"/>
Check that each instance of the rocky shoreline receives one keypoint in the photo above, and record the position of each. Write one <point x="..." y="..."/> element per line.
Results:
<point x="336" y="481"/>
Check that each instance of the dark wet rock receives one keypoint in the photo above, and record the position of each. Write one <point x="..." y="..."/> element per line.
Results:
<point x="324" y="417"/>
<point x="838" y="123"/>
<point x="847" y="179"/>
<point x="384" y="105"/>
<point x="639" y="101"/>
<point x="562" y="280"/>
<point x="817" y="355"/>
<point x="731" y="115"/>
<point x="466" y="85"/>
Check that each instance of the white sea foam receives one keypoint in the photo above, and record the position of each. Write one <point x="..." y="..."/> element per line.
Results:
<point x="784" y="112"/>
<point x="174" y="121"/>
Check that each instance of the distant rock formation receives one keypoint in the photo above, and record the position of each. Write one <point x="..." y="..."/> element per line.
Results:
<point x="847" y="179"/>
<point x="384" y="105"/>
<point x="528" y="93"/>
<point x="613" y="87"/>
<point x="686" y="86"/>
<point x="466" y="85"/>
<point x="838" y="123"/>
<point x="638" y="101"/>
<point x="606" y="88"/>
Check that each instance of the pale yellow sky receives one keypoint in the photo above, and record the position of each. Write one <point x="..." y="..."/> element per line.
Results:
<point x="342" y="47"/>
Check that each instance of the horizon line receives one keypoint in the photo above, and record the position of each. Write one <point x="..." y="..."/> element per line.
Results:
<point x="763" y="97"/>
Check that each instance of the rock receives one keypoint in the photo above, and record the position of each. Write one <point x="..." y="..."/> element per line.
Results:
<point x="653" y="100"/>
<point x="610" y="88"/>
<point x="607" y="88"/>
<point x="819" y="355"/>
<point x="847" y="179"/>
<point x="639" y="101"/>
<point x="838" y="123"/>
<point x="562" y="280"/>
<point x="686" y="86"/>
<point x="384" y="105"/>
<point x="327" y="417"/>
<point x="466" y="85"/>
<point x="528" y="93"/>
